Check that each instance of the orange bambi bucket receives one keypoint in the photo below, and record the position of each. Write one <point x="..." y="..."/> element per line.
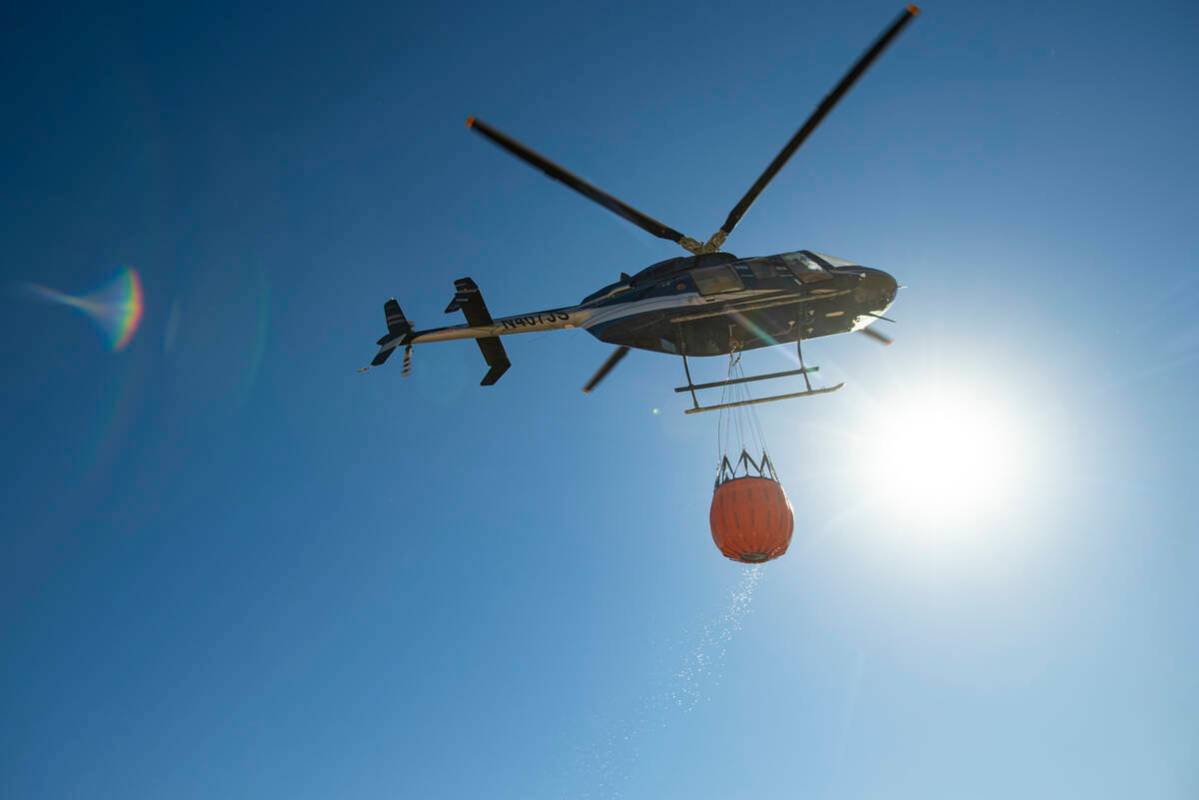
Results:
<point x="751" y="519"/>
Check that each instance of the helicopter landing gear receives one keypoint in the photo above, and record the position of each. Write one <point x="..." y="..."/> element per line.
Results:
<point x="736" y="399"/>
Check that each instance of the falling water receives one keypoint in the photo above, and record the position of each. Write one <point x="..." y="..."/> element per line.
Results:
<point x="607" y="764"/>
<point x="702" y="667"/>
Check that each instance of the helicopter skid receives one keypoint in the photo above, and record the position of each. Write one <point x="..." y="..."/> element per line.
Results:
<point x="804" y="370"/>
<point x="755" y="401"/>
<point x="750" y="379"/>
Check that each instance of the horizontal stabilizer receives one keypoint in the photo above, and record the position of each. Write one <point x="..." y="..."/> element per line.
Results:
<point x="496" y="358"/>
<point x="469" y="300"/>
<point x="381" y="357"/>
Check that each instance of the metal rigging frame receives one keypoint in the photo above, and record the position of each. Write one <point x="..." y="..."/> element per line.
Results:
<point x="803" y="370"/>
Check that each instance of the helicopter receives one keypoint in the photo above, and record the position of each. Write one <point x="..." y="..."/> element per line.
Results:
<point x="708" y="303"/>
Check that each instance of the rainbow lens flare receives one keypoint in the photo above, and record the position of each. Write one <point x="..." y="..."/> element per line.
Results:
<point x="116" y="307"/>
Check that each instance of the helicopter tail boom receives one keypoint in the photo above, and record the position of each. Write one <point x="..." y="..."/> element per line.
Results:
<point x="535" y="322"/>
<point x="479" y="326"/>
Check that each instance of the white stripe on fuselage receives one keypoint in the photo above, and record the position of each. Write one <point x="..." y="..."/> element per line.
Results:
<point x="606" y="314"/>
<point x="576" y="317"/>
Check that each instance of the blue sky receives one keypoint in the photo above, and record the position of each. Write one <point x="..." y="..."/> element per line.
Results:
<point x="231" y="566"/>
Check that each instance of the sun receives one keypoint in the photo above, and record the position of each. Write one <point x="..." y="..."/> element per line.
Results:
<point x="946" y="454"/>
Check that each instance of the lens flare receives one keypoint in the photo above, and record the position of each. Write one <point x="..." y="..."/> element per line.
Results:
<point x="116" y="307"/>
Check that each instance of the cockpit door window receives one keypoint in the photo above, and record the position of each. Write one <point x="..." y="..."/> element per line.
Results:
<point x="717" y="280"/>
<point x="805" y="267"/>
<point x="833" y="261"/>
<point x="802" y="262"/>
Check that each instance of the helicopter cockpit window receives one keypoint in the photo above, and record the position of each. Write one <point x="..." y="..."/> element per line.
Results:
<point x="714" y="280"/>
<point x="833" y="261"/>
<point x="802" y="262"/>
<point x="769" y="267"/>
<point x="806" y="267"/>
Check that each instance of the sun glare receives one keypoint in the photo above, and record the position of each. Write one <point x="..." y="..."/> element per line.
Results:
<point x="943" y="455"/>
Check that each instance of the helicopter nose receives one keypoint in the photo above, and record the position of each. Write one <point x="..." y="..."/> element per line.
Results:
<point x="876" y="290"/>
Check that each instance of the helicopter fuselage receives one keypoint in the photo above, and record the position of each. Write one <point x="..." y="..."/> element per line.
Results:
<point x="711" y="304"/>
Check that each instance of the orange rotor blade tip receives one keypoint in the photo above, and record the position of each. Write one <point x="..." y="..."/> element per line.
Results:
<point x="470" y="122"/>
<point x="913" y="9"/>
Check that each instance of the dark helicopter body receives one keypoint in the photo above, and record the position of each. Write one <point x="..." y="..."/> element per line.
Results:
<point x="710" y="304"/>
<point x="707" y="304"/>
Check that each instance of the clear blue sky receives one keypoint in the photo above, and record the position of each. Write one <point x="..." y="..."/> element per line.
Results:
<point x="232" y="567"/>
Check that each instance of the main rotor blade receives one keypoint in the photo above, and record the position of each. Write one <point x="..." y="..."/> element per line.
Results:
<point x="826" y="105"/>
<point x="603" y="371"/>
<point x="618" y="207"/>
<point x="881" y="338"/>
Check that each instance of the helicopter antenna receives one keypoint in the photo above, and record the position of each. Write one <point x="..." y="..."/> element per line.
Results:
<point x="830" y="101"/>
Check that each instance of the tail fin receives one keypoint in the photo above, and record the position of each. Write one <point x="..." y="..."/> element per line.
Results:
<point x="398" y="329"/>
<point x="397" y="323"/>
